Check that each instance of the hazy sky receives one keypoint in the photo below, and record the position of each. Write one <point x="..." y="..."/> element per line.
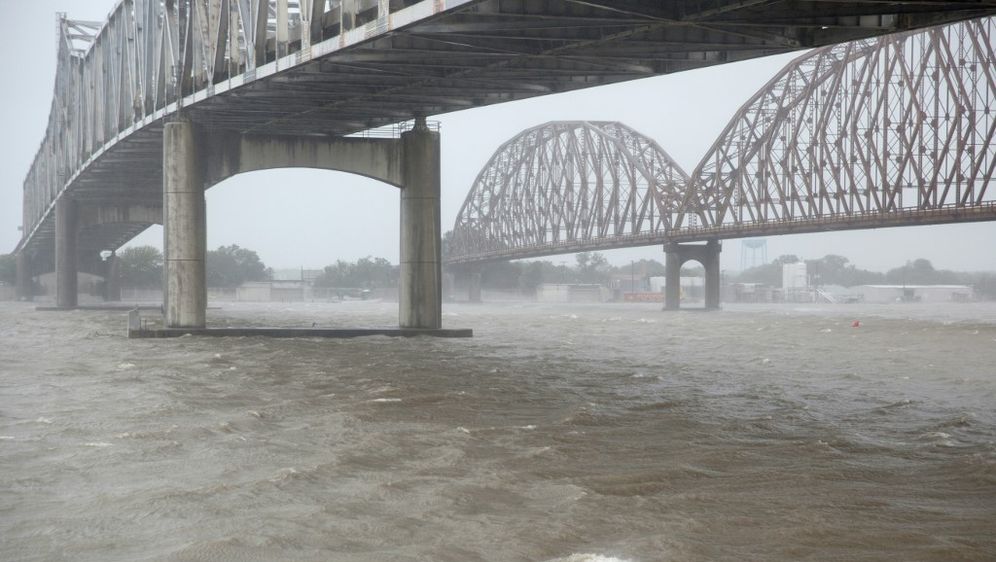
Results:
<point x="311" y="218"/>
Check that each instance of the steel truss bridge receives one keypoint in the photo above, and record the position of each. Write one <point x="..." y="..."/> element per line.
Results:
<point x="892" y="131"/>
<point x="327" y="68"/>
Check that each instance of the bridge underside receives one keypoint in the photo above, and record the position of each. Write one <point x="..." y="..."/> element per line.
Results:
<point x="481" y="53"/>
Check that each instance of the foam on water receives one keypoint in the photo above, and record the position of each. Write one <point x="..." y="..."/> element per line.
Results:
<point x="590" y="558"/>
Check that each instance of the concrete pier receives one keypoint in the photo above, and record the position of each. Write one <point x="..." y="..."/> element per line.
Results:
<point x="24" y="289"/>
<point x="194" y="159"/>
<point x="676" y="255"/>
<point x="474" y="286"/>
<point x="66" y="232"/>
<point x="421" y="295"/>
<point x="184" y="227"/>
<point x="112" y="278"/>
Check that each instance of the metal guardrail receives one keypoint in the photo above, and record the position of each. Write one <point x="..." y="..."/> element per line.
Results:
<point x="394" y="131"/>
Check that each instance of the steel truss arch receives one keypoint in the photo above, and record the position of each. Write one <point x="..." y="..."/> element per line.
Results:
<point x="567" y="186"/>
<point x="861" y="131"/>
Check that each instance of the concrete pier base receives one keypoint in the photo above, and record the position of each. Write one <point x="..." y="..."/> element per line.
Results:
<point x="66" y="258"/>
<point x="421" y="288"/>
<point x="184" y="228"/>
<point x="676" y="255"/>
<point x="24" y="289"/>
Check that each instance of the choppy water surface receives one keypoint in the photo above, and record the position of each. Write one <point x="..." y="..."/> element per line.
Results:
<point x="611" y="432"/>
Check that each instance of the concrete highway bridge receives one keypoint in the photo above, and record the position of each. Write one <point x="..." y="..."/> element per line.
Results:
<point x="168" y="97"/>
<point x="892" y="131"/>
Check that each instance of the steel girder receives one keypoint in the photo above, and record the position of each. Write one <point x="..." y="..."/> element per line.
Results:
<point x="335" y="67"/>
<point x="892" y="131"/>
<point x="567" y="185"/>
<point x="903" y="124"/>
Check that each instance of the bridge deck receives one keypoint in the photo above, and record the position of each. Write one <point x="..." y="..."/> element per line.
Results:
<point x="336" y="73"/>
<point x="905" y="217"/>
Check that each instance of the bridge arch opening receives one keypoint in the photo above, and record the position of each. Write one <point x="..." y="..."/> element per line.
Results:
<point x="304" y="219"/>
<point x="196" y="158"/>
<point x="692" y="284"/>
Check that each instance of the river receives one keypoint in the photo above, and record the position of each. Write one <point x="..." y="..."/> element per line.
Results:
<point x="598" y="433"/>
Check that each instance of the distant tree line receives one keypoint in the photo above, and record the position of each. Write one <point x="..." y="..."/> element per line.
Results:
<point x="588" y="268"/>
<point x="365" y="273"/>
<point x="227" y="267"/>
<point x="231" y="266"/>
<point x="8" y="269"/>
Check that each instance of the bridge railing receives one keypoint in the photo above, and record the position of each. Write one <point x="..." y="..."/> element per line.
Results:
<point x="151" y="57"/>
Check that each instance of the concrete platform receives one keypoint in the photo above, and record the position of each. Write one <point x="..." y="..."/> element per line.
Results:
<point x="111" y="307"/>
<point x="108" y="307"/>
<point x="335" y="333"/>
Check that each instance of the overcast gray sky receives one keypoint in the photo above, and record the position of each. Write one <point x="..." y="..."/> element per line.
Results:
<point x="311" y="218"/>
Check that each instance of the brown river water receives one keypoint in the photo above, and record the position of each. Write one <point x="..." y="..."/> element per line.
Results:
<point x="599" y="433"/>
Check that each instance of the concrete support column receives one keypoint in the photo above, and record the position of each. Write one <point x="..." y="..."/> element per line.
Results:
<point x="710" y="261"/>
<point x="112" y="278"/>
<point x="66" y="230"/>
<point x="708" y="256"/>
<point x="672" y="277"/>
<point x="421" y="291"/>
<point x="474" y="286"/>
<point x="184" y="227"/>
<point x="25" y="282"/>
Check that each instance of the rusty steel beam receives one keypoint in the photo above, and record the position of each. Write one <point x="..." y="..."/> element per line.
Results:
<point x="883" y="132"/>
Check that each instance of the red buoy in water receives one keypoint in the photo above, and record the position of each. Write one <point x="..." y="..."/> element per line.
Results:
<point x="856" y="324"/>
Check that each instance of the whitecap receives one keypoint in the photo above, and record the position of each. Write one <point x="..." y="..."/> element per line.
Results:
<point x="463" y="429"/>
<point x="386" y="400"/>
<point x="585" y="557"/>
<point x="7" y="438"/>
<point x="43" y="420"/>
<point x="99" y="444"/>
<point x="284" y="474"/>
<point x="125" y="366"/>
<point x="936" y="435"/>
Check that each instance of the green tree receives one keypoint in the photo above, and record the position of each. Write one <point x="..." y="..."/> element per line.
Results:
<point x="502" y="275"/>
<point x="592" y="267"/>
<point x="835" y="270"/>
<point x="446" y="243"/>
<point x="231" y="266"/>
<point x="141" y="267"/>
<point x="8" y="269"/>
<point x="368" y="272"/>
<point x="531" y="276"/>
<point x="920" y="272"/>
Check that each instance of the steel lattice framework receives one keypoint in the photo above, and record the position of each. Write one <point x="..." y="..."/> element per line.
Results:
<point x="895" y="130"/>
<point x="892" y="131"/>
<point x="570" y="185"/>
<point x="337" y="67"/>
